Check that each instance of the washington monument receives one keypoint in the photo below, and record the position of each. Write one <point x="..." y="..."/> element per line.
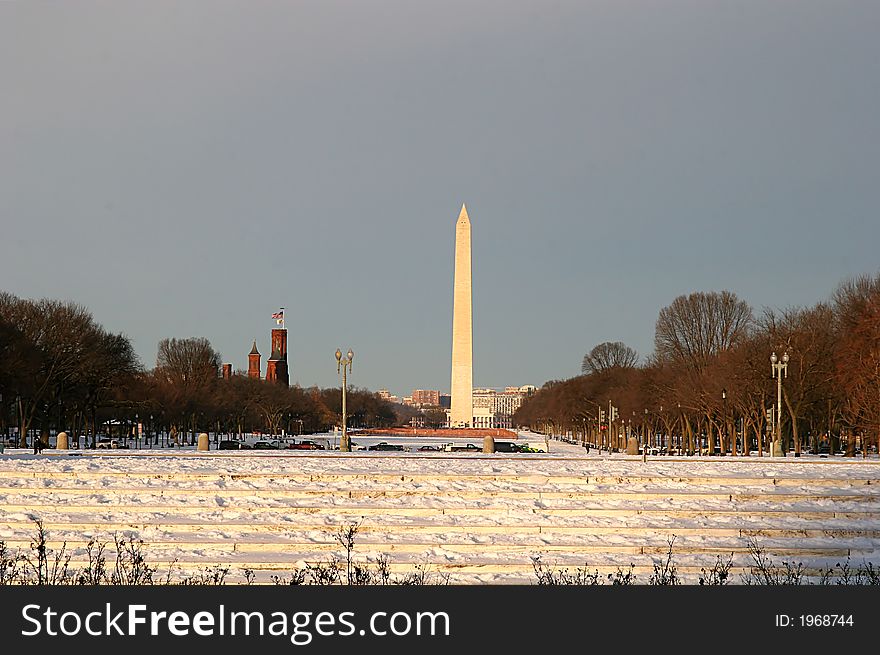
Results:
<point x="462" y="402"/>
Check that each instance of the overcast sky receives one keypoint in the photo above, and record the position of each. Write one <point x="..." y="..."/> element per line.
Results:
<point x="186" y="168"/>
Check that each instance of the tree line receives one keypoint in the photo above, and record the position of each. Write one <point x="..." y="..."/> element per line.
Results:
<point x="709" y="385"/>
<point x="60" y="370"/>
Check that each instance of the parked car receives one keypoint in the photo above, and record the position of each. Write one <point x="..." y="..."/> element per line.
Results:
<point x="232" y="444"/>
<point x="305" y="444"/>
<point x="384" y="445"/>
<point x="429" y="447"/>
<point x="507" y="447"/>
<point x="107" y="442"/>
<point x="266" y="445"/>
<point x="469" y="448"/>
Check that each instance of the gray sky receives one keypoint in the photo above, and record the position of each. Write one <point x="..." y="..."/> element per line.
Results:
<point x="186" y="168"/>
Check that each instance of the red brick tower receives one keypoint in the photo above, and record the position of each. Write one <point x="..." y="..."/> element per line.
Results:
<point x="254" y="362"/>
<point x="271" y="373"/>
<point x="279" y="342"/>
<point x="276" y="366"/>
<point x="227" y="371"/>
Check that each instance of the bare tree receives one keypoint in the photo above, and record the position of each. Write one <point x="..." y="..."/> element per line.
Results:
<point x="188" y="362"/>
<point x="187" y="371"/>
<point x="109" y="365"/>
<point x="853" y="297"/>
<point x="691" y="334"/>
<point x="609" y="355"/>
<point x="807" y="335"/>
<point x="19" y="357"/>
<point x="272" y="401"/>
<point x="695" y="328"/>
<point x="858" y="353"/>
<point x="58" y="335"/>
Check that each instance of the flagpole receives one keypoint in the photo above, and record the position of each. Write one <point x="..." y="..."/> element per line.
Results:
<point x="282" y="319"/>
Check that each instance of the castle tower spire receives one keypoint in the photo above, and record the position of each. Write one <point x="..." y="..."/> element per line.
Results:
<point x="276" y="366"/>
<point x="254" y="362"/>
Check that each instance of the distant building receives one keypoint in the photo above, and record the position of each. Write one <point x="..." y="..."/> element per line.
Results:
<point x="276" y="366"/>
<point x="227" y="371"/>
<point x="425" y="398"/>
<point x="445" y="401"/>
<point x="495" y="409"/>
<point x="384" y="394"/>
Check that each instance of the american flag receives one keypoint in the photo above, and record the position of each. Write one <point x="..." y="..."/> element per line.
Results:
<point x="278" y="314"/>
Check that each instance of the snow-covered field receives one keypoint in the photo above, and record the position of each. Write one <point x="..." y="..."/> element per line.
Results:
<point x="478" y="518"/>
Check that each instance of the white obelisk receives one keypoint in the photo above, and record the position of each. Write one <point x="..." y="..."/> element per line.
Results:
<point x="462" y="402"/>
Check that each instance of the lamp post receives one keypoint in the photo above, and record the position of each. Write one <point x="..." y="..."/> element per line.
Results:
<point x="667" y="440"/>
<point x="724" y="418"/>
<point x="780" y="370"/>
<point x="599" y="415"/>
<point x="22" y="440"/>
<point x="612" y="417"/>
<point x="344" y="364"/>
<point x="645" y="438"/>
<point x="681" y="436"/>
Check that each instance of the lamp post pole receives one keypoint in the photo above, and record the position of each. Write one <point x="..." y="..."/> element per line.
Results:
<point x="666" y="439"/>
<point x="599" y="413"/>
<point x="724" y="419"/>
<point x="780" y="369"/>
<point x="344" y="363"/>
<point x="645" y="438"/>
<point x="682" y="431"/>
<point x="610" y="419"/>
<point x="22" y="440"/>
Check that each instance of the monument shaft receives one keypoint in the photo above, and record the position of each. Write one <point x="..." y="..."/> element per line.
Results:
<point x="462" y="402"/>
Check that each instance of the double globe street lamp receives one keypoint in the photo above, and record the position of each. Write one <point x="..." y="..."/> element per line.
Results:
<point x="780" y="370"/>
<point x="344" y="364"/>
